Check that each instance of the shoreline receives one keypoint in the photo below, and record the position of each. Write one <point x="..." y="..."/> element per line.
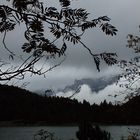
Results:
<point x="39" y="123"/>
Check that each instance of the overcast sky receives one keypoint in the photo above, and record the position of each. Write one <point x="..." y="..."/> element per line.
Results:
<point x="124" y="15"/>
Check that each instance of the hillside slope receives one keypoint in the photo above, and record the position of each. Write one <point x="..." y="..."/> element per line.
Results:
<point x="23" y="106"/>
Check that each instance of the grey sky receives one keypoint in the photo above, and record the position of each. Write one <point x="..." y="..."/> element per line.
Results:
<point x="124" y="15"/>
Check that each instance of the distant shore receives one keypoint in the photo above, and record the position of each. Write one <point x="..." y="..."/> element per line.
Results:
<point x="40" y="123"/>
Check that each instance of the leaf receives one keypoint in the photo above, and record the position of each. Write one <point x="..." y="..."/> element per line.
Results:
<point x="5" y="11"/>
<point x="108" y="29"/>
<point x="80" y="13"/>
<point x="63" y="49"/>
<point x="50" y="48"/>
<point x="69" y="23"/>
<point x="109" y="58"/>
<point x="88" y="24"/>
<point x="27" y="35"/>
<point x="64" y="3"/>
<point x="11" y="57"/>
<point x="27" y="47"/>
<point x="55" y="29"/>
<point x="52" y="9"/>
<point x="21" y="5"/>
<point x="105" y="18"/>
<point x="72" y="38"/>
<point x="97" y="62"/>
<point x="52" y="12"/>
<point x="36" y="25"/>
<point x="6" y="26"/>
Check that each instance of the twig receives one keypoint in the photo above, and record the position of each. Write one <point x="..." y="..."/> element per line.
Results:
<point x="5" y="44"/>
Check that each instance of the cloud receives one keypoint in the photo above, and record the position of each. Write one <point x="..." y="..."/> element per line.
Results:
<point x="108" y="94"/>
<point x="79" y="64"/>
<point x="66" y="75"/>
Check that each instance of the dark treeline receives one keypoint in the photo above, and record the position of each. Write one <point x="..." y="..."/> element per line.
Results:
<point x="23" y="106"/>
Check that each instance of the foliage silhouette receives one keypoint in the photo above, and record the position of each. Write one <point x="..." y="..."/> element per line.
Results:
<point x="87" y="132"/>
<point x="134" y="134"/>
<point x="131" y="69"/>
<point x="44" y="135"/>
<point x="66" y="25"/>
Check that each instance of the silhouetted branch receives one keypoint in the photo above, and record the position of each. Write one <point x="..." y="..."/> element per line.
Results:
<point x="67" y="24"/>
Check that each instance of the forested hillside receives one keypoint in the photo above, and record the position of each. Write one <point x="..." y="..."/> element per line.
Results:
<point x="22" y="106"/>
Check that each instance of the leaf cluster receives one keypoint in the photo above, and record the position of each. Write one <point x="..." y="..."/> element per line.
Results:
<point x="62" y="23"/>
<point x="22" y="5"/>
<point x="64" y="3"/>
<point x="66" y="25"/>
<point x="130" y="76"/>
<point x="109" y="58"/>
<point x="6" y="24"/>
<point x="134" y="42"/>
<point x="106" y="27"/>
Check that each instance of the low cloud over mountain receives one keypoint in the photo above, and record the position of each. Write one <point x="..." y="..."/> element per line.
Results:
<point x="94" y="84"/>
<point x="93" y="90"/>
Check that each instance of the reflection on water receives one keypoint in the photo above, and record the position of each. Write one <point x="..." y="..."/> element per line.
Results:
<point x="63" y="133"/>
<point x="27" y="133"/>
<point x="119" y="132"/>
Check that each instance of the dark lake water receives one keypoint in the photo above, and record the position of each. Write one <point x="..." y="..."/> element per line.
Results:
<point x="61" y="133"/>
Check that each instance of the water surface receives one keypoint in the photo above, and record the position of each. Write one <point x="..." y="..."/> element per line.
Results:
<point x="63" y="133"/>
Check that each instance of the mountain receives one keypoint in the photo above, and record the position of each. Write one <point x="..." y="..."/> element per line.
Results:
<point x="23" y="107"/>
<point x="6" y="90"/>
<point x="95" y="84"/>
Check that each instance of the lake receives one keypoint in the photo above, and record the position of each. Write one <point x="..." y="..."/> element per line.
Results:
<point x="62" y="133"/>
